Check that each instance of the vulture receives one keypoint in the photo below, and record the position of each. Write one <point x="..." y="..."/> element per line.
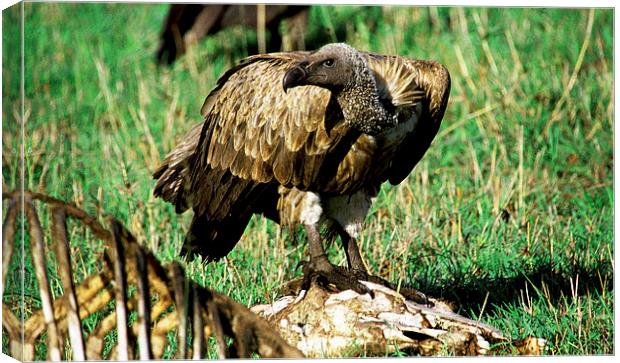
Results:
<point x="187" y="23"/>
<point x="303" y="138"/>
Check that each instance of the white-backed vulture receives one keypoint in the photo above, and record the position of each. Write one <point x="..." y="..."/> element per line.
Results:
<point x="188" y="23"/>
<point x="303" y="137"/>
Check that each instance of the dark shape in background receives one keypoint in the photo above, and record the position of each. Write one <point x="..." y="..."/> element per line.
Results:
<point x="188" y="23"/>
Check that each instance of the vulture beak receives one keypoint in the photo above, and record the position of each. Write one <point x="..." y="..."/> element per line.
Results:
<point x="295" y="76"/>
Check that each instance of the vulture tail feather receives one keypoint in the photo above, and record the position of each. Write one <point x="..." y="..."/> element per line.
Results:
<point x="214" y="239"/>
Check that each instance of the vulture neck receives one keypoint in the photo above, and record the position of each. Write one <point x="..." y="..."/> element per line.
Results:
<point x="361" y="106"/>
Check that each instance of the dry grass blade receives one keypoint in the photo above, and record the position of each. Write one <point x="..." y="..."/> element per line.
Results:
<point x="61" y="241"/>
<point x="180" y="288"/>
<point x="260" y="28"/>
<point x="144" y="314"/>
<point x="216" y="324"/>
<point x="38" y="259"/>
<point x="8" y="232"/>
<point x="197" y="324"/>
<point x="121" y="292"/>
<point x="573" y="78"/>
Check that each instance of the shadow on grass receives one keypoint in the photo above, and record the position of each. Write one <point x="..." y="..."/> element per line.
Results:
<point x="469" y="294"/>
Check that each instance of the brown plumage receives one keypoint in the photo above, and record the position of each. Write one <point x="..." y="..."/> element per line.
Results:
<point x="188" y="23"/>
<point x="303" y="137"/>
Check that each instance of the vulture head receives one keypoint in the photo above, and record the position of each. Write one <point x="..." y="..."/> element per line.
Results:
<point x="343" y="70"/>
<point x="333" y="67"/>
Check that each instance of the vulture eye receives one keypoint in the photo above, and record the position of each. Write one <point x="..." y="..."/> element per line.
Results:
<point x="328" y="63"/>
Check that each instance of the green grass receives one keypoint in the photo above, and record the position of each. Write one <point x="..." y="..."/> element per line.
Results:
<point x="509" y="215"/>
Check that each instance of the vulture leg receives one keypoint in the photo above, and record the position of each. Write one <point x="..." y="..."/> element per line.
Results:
<point x="318" y="257"/>
<point x="359" y="270"/>
<point x="320" y="270"/>
<point x="352" y="251"/>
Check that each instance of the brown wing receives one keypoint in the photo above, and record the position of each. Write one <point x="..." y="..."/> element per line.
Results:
<point x="418" y="89"/>
<point x="172" y="175"/>
<point x="256" y="132"/>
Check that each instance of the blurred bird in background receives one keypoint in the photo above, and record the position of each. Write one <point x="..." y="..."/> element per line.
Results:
<point x="186" y="24"/>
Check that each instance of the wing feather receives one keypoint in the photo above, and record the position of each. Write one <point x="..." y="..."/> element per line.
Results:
<point x="418" y="89"/>
<point x="259" y="132"/>
<point x="172" y="174"/>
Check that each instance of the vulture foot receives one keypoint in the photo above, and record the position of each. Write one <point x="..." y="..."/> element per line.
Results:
<point x="331" y="277"/>
<point x="408" y="292"/>
<point x="339" y="278"/>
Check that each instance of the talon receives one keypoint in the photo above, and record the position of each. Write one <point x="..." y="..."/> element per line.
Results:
<point x="408" y="292"/>
<point x="416" y="296"/>
<point x="331" y="277"/>
<point x="365" y="290"/>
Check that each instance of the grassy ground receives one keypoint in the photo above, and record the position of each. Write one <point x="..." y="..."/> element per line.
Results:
<point x="509" y="216"/>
